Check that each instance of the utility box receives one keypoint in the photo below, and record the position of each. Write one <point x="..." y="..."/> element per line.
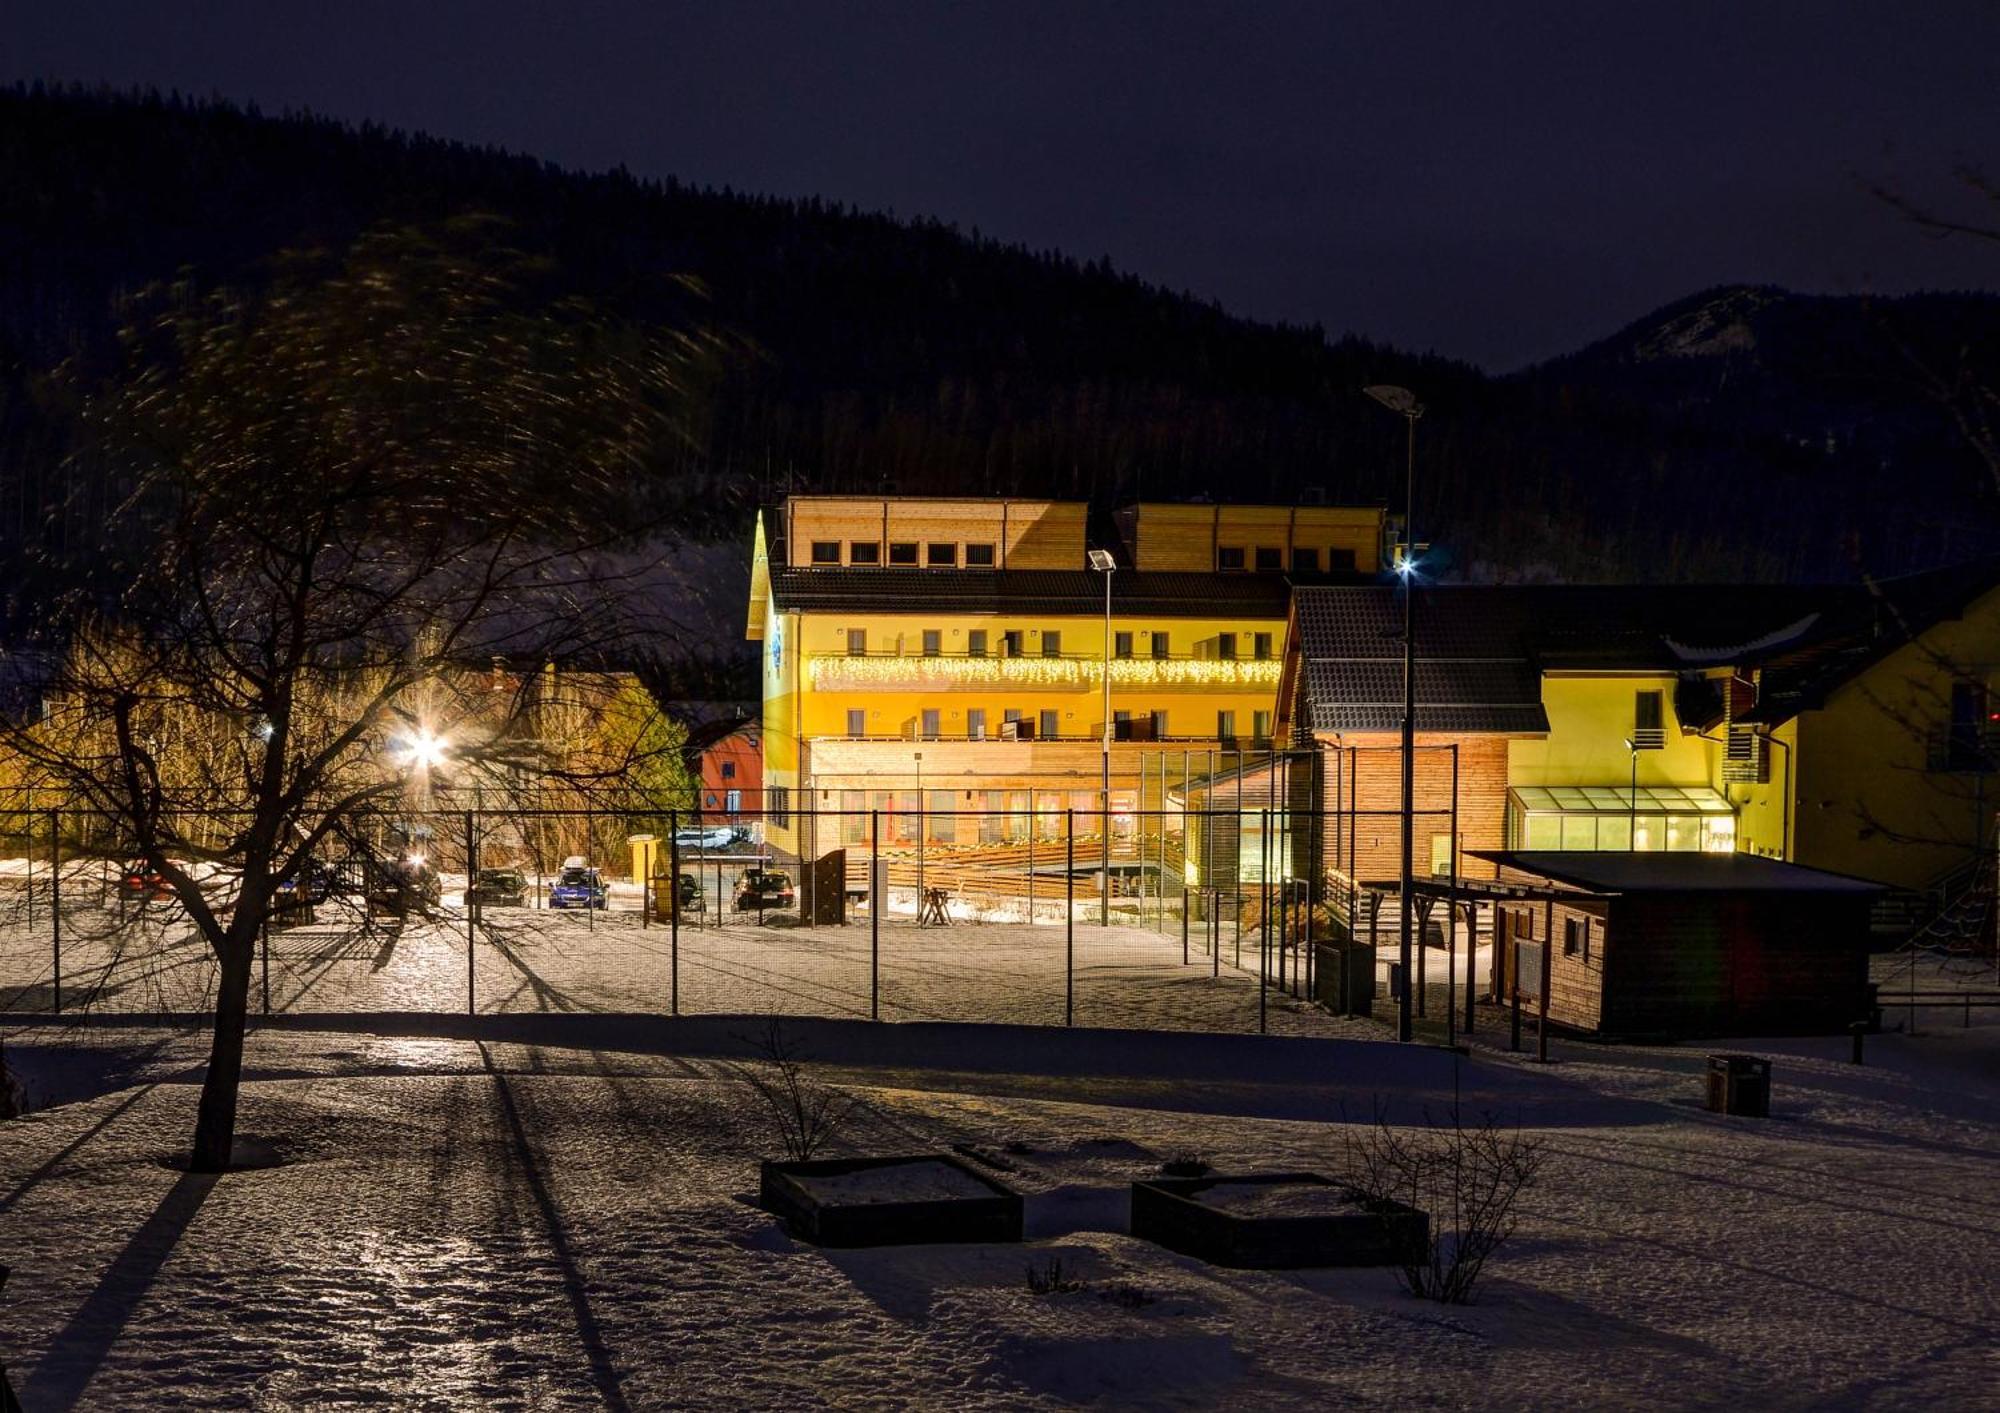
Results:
<point x="1344" y="977"/>
<point x="1739" y="1084"/>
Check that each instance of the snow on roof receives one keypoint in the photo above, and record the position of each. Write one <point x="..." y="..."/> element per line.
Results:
<point x="1618" y="871"/>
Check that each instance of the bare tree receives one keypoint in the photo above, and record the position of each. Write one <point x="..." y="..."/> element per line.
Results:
<point x="345" y="493"/>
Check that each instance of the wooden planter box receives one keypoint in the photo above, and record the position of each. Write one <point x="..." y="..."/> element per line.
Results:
<point x="1358" y="1232"/>
<point x="822" y="1213"/>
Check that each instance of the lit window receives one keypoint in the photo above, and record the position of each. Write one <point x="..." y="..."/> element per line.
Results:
<point x="931" y="722"/>
<point x="1225" y="725"/>
<point x="1051" y="724"/>
<point x="975" y="723"/>
<point x="979" y="556"/>
<point x="864" y="552"/>
<point x="826" y="552"/>
<point x="941" y="555"/>
<point x="1260" y="725"/>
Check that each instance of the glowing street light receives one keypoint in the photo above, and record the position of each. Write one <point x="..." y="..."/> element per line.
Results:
<point x="424" y="751"/>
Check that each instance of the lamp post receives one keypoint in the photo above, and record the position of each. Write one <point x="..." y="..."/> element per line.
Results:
<point x="1632" y="799"/>
<point x="1404" y="404"/>
<point x="920" y="838"/>
<point x="1102" y="561"/>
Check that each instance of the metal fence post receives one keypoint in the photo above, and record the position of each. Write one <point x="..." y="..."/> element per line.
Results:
<point x="674" y="938"/>
<point x="878" y="876"/>
<point x="471" y="936"/>
<point x="1031" y="856"/>
<point x="1264" y="930"/>
<point x="55" y="899"/>
<point x="1069" y="918"/>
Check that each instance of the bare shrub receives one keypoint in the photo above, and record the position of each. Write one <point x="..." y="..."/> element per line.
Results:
<point x="1468" y="1177"/>
<point x="1185" y="1163"/>
<point x="1051" y="1277"/>
<point x="806" y="1113"/>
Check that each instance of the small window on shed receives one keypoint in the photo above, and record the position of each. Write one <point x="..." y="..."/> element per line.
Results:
<point x="1572" y="936"/>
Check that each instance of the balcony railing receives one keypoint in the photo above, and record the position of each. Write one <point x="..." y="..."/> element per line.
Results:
<point x="839" y="673"/>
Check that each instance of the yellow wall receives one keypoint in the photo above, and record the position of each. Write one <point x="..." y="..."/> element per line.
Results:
<point x="1868" y="803"/>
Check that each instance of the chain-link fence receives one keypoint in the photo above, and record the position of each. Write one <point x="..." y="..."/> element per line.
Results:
<point x="1174" y="919"/>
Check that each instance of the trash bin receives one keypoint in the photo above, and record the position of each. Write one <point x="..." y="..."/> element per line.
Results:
<point x="1739" y="1084"/>
<point x="1344" y="977"/>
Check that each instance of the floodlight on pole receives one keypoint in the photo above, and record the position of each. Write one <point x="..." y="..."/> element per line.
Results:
<point x="1104" y="563"/>
<point x="1404" y="404"/>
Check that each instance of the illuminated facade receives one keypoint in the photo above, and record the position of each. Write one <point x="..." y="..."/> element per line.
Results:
<point x="924" y="659"/>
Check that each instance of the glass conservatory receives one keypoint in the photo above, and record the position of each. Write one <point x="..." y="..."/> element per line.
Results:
<point x="1677" y="818"/>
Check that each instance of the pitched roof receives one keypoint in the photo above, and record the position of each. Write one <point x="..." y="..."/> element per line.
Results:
<point x="1620" y="871"/>
<point x="1481" y="649"/>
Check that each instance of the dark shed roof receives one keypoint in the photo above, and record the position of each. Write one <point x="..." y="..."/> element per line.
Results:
<point x="1615" y="871"/>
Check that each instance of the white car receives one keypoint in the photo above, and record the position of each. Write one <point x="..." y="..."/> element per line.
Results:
<point x="716" y="836"/>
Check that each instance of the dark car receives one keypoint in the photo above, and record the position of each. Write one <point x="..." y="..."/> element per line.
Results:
<point x="763" y="888"/>
<point x="498" y="888"/>
<point x="406" y="886"/>
<point x="143" y="883"/>
<point x="579" y="886"/>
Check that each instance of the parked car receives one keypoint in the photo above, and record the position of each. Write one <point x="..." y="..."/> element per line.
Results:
<point x="405" y="886"/>
<point x="579" y="886"/>
<point x="691" y="894"/>
<point x="714" y="836"/>
<point x="142" y="882"/>
<point x="764" y="888"/>
<point x="498" y="888"/>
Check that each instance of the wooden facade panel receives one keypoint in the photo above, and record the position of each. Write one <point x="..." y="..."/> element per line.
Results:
<point x="1364" y="788"/>
<point x="1185" y="537"/>
<point x="1026" y="534"/>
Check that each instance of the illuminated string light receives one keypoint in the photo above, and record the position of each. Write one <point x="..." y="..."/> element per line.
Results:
<point x="837" y="673"/>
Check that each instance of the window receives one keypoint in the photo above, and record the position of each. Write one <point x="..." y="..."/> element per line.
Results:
<point x="732" y="800"/>
<point x="1229" y="557"/>
<point x="1010" y="724"/>
<point x="1051" y="643"/>
<point x="1225" y="725"/>
<point x="979" y="556"/>
<point x="1121" y="725"/>
<point x="904" y="552"/>
<point x="975" y="642"/>
<point x="1261" y="647"/>
<point x="1648" y="721"/>
<point x="1572" y="942"/>
<point x="1440" y="855"/>
<point x="1121" y="645"/>
<point x="1159" y="726"/>
<point x="1225" y="646"/>
<point x="826" y="552"/>
<point x="864" y="552"/>
<point x="1260" y="726"/>
<point x="1051" y="724"/>
<point x="941" y="555"/>
<point x="1160" y="647"/>
<point x="1340" y="560"/>
<point x="1965" y="743"/>
<point x="975" y="723"/>
<point x="857" y="642"/>
<point x="729" y="770"/>
<point x="931" y="722"/>
<point x="778" y="805"/>
<point x="857" y="722"/>
<point x="1305" y="561"/>
<point x="1269" y="558"/>
<point x="933" y="642"/>
<point x="1010" y="641"/>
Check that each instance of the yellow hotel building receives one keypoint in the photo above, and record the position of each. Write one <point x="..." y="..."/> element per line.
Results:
<point x="928" y="658"/>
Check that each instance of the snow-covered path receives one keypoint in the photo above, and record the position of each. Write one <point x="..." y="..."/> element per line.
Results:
<point x="503" y="1225"/>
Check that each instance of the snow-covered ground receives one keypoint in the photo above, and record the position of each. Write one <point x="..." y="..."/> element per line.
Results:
<point x="553" y="1214"/>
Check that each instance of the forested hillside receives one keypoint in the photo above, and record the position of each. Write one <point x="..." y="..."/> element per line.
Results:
<point x="1745" y="432"/>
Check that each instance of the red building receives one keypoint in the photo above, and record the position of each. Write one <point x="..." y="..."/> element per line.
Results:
<point x="726" y="757"/>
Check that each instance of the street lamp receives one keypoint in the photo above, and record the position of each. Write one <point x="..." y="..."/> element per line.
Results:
<point x="1632" y="799"/>
<point x="1102" y="561"/>
<point x="1404" y="404"/>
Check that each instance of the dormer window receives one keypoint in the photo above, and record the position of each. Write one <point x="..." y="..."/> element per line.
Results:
<point x="826" y="551"/>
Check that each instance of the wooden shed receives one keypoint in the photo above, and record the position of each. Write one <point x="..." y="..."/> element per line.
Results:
<point x="1686" y="944"/>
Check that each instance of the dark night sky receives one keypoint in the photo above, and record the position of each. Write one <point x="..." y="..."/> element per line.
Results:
<point x="1499" y="182"/>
